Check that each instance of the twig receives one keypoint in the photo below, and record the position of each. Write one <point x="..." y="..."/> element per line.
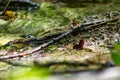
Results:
<point x="6" y="7"/>
<point x="79" y="27"/>
<point x="34" y="40"/>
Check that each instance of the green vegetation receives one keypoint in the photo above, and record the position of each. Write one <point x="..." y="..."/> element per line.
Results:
<point x="116" y="54"/>
<point x="52" y="18"/>
<point x="32" y="73"/>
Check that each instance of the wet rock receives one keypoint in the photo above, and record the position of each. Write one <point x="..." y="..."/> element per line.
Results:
<point x="110" y="64"/>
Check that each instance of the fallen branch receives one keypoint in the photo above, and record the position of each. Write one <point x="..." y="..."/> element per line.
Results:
<point x="68" y="63"/>
<point x="80" y="27"/>
<point x="74" y="71"/>
<point x="86" y="65"/>
<point x="33" y="41"/>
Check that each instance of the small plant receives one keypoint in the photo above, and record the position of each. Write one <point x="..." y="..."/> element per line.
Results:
<point x="52" y="47"/>
<point x="115" y="54"/>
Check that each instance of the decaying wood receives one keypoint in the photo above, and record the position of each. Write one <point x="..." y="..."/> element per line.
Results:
<point x="86" y="65"/>
<point x="92" y="71"/>
<point x="48" y="64"/>
<point x="4" y="17"/>
<point x="79" y="27"/>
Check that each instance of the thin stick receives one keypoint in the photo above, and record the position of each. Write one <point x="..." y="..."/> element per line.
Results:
<point x="34" y="40"/>
<point x="6" y="7"/>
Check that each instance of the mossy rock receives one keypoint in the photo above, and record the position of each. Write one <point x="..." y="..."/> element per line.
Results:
<point x="3" y="24"/>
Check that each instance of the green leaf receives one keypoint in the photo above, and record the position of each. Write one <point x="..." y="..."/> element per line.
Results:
<point x="117" y="47"/>
<point x="116" y="57"/>
<point x="52" y="47"/>
<point x="115" y="54"/>
<point x="32" y="73"/>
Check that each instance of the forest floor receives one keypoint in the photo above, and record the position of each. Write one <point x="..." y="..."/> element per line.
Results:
<point x="97" y="41"/>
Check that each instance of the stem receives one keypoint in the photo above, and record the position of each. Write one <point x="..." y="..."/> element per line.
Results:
<point x="6" y="7"/>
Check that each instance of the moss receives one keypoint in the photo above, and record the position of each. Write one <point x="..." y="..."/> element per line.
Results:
<point x="51" y="16"/>
<point x="6" y="37"/>
<point x="52" y="47"/>
<point x="115" y="54"/>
